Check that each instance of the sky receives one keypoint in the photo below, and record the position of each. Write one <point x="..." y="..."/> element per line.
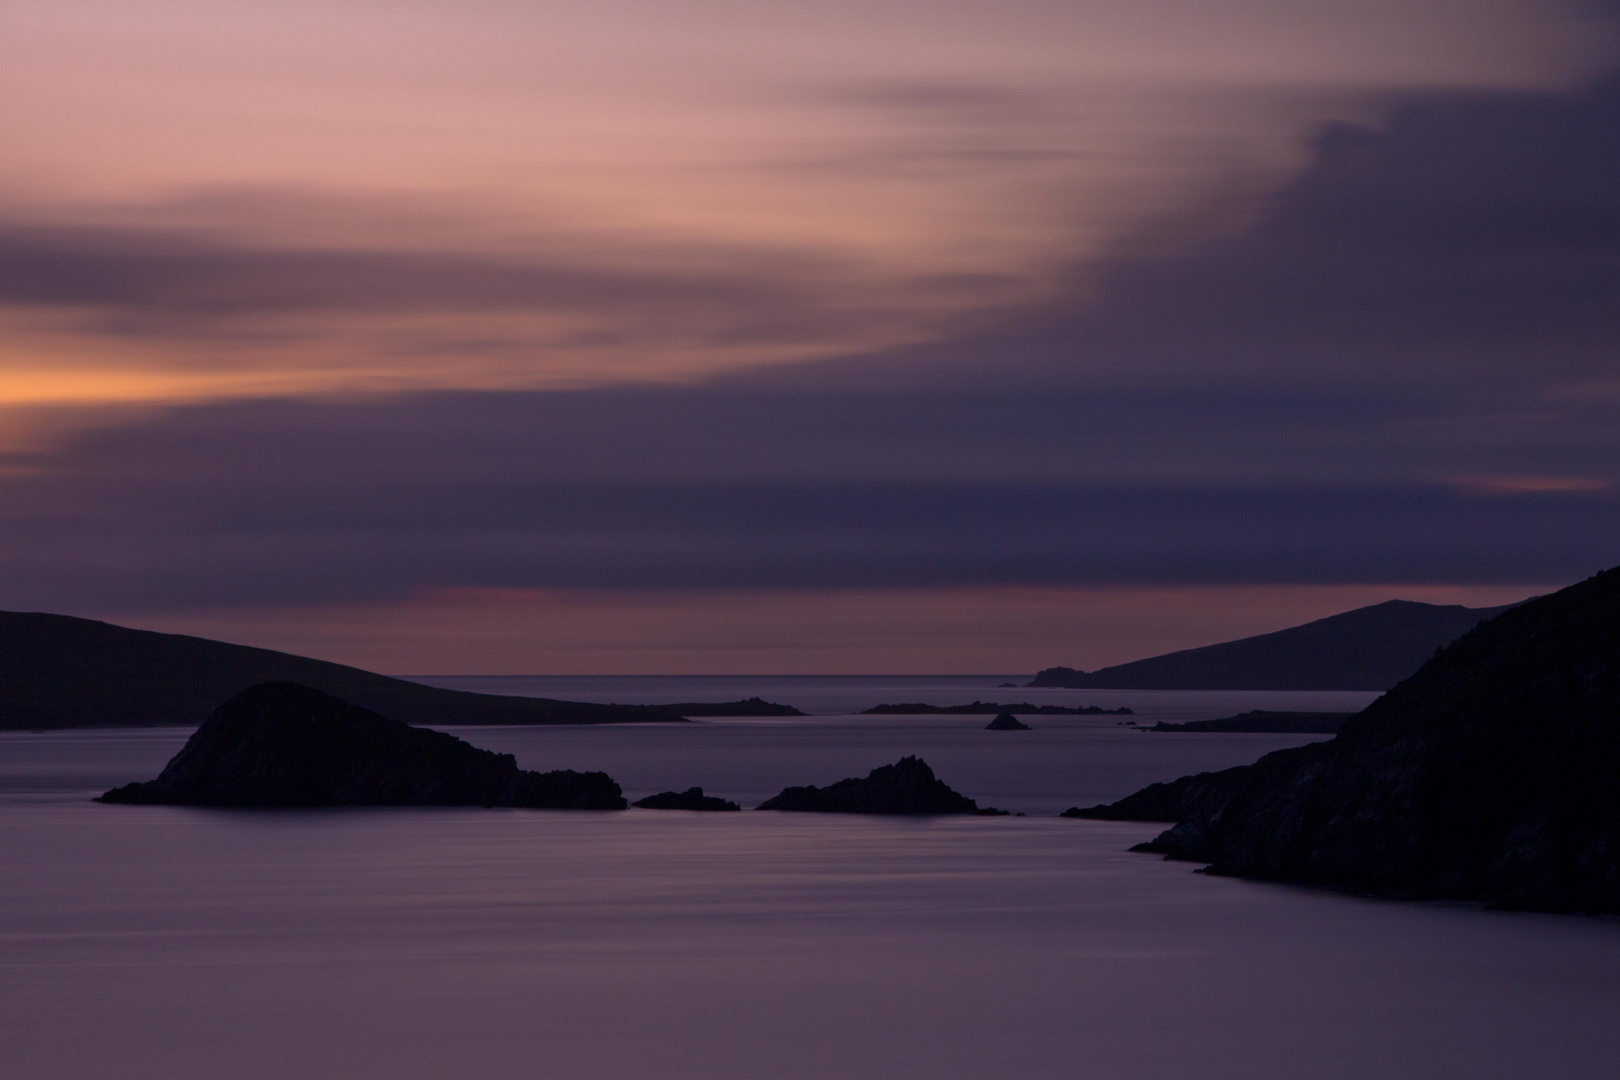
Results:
<point x="734" y="337"/>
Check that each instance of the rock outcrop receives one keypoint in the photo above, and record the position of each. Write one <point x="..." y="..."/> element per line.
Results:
<point x="282" y="744"/>
<point x="1491" y="774"/>
<point x="1006" y="722"/>
<point x="690" y="799"/>
<point x="906" y="787"/>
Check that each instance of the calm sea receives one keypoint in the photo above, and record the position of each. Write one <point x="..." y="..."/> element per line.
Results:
<point x="179" y="944"/>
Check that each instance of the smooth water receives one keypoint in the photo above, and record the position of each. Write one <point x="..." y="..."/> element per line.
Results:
<point x="172" y="943"/>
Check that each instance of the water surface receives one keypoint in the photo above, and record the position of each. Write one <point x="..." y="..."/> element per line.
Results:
<point x="154" y="942"/>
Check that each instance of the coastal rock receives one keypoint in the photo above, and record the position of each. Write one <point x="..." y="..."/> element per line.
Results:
<point x="690" y="799"/>
<point x="1006" y="722"/>
<point x="906" y="787"/>
<point x="282" y="744"/>
<point x="1491" y="774"/>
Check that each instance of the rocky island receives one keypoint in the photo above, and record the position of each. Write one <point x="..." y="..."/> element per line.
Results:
<point x="284" y="745"/>
<point x="906" y="787"/>
<point x="690" y="799"/>
<point x="1491" y="774"/>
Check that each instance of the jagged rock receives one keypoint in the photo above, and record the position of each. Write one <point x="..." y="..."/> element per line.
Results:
<point x="906" y="787"/>
<point x="1491" y="774"/>
<point x="282" y="744"/>
<point x="1006" y="722"/>
<point x="690" y="799"/>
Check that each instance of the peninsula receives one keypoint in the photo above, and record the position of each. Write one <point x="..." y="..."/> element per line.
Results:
<point x="1492" y="774"/>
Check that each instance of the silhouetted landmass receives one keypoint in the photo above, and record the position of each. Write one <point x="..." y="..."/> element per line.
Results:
<point x="1006" y="722"/>
<point x="281" y="744"/>
<point x="58" y="672"/>
<point x="690" y="799"/>
<point x="753" y="706"/>
<point x="987" y="708"/>
<point x="906" y="787"/>
<point x="1491" y="774"/>
<point x="1262" y="720"/>
<point x="1370" y="648"/>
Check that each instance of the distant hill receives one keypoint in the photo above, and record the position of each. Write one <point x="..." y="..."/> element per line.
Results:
<point x="58" y="672"/>
<point x="1370" y="648"/>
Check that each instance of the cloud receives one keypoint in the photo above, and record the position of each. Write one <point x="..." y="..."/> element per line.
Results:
<point x="1471" y="236"/>
<point x="289" y="502"/>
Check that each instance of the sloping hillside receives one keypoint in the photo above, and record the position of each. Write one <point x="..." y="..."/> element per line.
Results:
<point x="1370" y="648"/>
<point x="57" y="671"/>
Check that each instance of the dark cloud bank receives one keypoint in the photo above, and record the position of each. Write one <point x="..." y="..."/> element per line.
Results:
<point x="1426" y="319"/>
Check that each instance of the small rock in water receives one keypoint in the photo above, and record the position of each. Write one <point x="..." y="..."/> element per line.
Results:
<point x="1006" y="722"/>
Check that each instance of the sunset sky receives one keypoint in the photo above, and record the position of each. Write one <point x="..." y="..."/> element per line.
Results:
<point x="726" y="336"/>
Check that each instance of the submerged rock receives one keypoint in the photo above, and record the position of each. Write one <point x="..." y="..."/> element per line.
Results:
<point x="690" y="799"/>
<point x="282" y="744"/>
<point x="1491" y="774"/>
<point x="1006" y="722"/>
<point x="906" y="787"/>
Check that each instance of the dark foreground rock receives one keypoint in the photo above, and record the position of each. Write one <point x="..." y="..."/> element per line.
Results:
<point x="282" y="744"/>
<point x="1265" y="721"/>
<point x="690" y="799"/>
<point x="906" y="787"/>
<point x="1491" y="774"/>
<point x="1006" y="722"/>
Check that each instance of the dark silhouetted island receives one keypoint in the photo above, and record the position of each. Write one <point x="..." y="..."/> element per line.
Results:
<point x="753" y="706"/>
<point x="1370" y="648"/>
<point x="690" y="799"/>
<point x="284" y="745"/>
<point x="57" y="671"/>
<point x="1262" y="720"/>
<point x="1492" y="774"/>
<point x="1006" y="722"/>
<point x="906" y="787"/>
<point x="990" y="708"/>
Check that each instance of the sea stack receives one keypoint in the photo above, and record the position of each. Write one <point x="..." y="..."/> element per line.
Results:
<point x="284" y="745"/>
<point x="1492" y="774"/>
<point x="906" y="787"/>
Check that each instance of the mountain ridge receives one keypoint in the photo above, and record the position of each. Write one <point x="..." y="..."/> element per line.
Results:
<point x="1366" y="648"/>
